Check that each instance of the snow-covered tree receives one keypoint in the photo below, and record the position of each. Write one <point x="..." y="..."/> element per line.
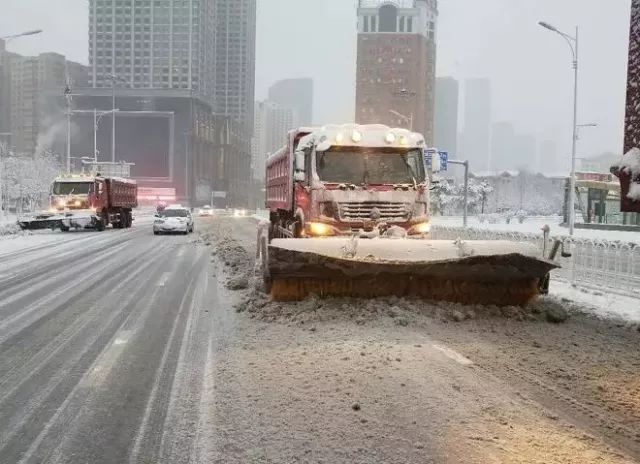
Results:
<point x="26" y="179"/>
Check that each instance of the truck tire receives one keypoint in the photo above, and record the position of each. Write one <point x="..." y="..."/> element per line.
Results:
<point x="64" y="228"/>
<point x="100" y="226"/>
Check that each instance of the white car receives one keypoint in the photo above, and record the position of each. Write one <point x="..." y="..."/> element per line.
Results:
<point x="205" y="211"/>
<point x="173" y="220"/>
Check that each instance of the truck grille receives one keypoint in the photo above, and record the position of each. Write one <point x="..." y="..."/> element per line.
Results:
<point x="360" y="211"/>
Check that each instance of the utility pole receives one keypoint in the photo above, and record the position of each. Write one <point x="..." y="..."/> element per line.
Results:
<point x="67" y="94"/>
<point x="573" y="43"/>
<point x="113" y="78"/>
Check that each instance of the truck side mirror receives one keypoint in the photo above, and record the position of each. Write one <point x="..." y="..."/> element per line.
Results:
<point x="299" y="160"/>
<point x="299" y="174"/>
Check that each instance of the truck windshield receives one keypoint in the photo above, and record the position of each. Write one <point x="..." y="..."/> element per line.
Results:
<point x="68" y="188"/>
<point x="351" y="165"/>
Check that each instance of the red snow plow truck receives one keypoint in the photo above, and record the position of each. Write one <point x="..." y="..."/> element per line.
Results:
<point x="87" y="202"/>
<point x="349" y="216"/>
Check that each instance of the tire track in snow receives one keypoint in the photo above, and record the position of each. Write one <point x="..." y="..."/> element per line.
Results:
<point x="27" y="356"/>
<point x="108" y="405"/>
<point x="27" y="410"/>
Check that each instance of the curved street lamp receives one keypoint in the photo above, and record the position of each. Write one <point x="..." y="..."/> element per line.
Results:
<point x="22" y="34"/>
<point x="573" y="45"/>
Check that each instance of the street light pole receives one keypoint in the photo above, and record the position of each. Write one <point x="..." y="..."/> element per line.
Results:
<point x="96" y="121"/>
<point x="22" y="34"/>
<point x="573" y="44"/>
<point x="113" y="78"/>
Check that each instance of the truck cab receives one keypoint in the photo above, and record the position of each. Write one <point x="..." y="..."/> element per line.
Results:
<point x="354" y="179"/>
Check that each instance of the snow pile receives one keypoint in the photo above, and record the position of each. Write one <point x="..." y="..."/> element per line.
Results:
<point x="630" y="163"/>
<point x="397" y="311"/>
<point x="9" y="228"/>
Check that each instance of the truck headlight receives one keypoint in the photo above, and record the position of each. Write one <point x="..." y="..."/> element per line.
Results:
<point x="420" y="229"/>
<point x="319" y="229"/>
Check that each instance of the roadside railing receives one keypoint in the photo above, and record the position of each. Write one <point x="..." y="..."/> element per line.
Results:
<point x="593" y="262"/>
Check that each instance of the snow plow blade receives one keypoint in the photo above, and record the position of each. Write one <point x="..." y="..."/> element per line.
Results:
<point x="54" y="221"/>
<point x="39" y="222"/>
<point x="476" y="272"/>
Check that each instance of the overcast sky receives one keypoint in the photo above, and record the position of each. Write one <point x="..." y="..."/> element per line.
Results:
<point x="529" y="67"/>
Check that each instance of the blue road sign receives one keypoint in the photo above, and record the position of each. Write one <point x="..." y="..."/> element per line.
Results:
<point x="444" y="158"/>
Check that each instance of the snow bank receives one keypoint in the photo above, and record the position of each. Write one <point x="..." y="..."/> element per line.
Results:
<point x="602" y="304"/>
<point x="9" y="228"/>
<point x="630" y="162"/>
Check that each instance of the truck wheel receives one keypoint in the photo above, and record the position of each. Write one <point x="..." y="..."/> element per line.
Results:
<point x="100" y="225"/>
<point x="129" y="217"/>
<point x="64" y="228"/>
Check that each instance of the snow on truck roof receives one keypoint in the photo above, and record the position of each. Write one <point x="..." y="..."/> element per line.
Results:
<point x="630" y="162"/>
<point x="357" y="135"/>
<point x="83" y="178"/>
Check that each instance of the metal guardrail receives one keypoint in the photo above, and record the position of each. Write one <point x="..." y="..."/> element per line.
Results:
<point x="593" y="262"/>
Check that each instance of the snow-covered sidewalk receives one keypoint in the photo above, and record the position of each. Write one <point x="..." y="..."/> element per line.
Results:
<point x="534" y="225"/>
<point x="603" y="304"/>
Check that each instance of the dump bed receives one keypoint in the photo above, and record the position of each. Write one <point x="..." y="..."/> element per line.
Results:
<point x="123" y="193"/>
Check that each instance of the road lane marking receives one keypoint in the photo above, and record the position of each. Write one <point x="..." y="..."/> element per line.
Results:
<point x="454" y="355"/>
<point x="163" y="279"/>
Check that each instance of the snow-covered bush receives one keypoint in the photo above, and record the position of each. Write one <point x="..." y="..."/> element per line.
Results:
<point x="26" y="179"/>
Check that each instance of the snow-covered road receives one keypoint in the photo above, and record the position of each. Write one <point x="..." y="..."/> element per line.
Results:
<point x="123" y="347"/>
<point x="102" y="337"/>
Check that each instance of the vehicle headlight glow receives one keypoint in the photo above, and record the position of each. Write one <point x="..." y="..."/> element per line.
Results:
<point x="404" y="140"/>
<point x="390" y="138"/>
<point x="423" y="228"/>
<point x="339" y="137"/>
<point x="77" y="203"/>
<point x="319" y="230"/>
<point x="356" y="136"/>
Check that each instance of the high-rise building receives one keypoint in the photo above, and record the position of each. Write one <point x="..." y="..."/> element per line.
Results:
<point x="25" y="83"/>
<point x="395" y="83"/>
<point x="271" y="126"/>
<point x="235" y="52"/>
<point x="503" y="151"/>
<point x="296" y="94"/>
<point x="6" y="60"/>
<point x="526" y="152"/>
<point x="184" y="69"/>
<point x="477" y="123"/>
<point x="153" y="44"/>
<point x="446" y="114"/>
<point x="548" y="158"/>
<point x="31" y="77"/>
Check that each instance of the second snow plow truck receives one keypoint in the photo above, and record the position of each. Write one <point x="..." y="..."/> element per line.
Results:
<point x="349" y="216"/>
<point x="87" y="202"/>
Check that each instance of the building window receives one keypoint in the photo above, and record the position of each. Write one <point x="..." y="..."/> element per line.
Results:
<point x="388" y="18"/>
<point x="374" y="24"/>
<point x="401" y="24"/>
<point x="409" y="24"/>
<point x="365" y="26"/>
